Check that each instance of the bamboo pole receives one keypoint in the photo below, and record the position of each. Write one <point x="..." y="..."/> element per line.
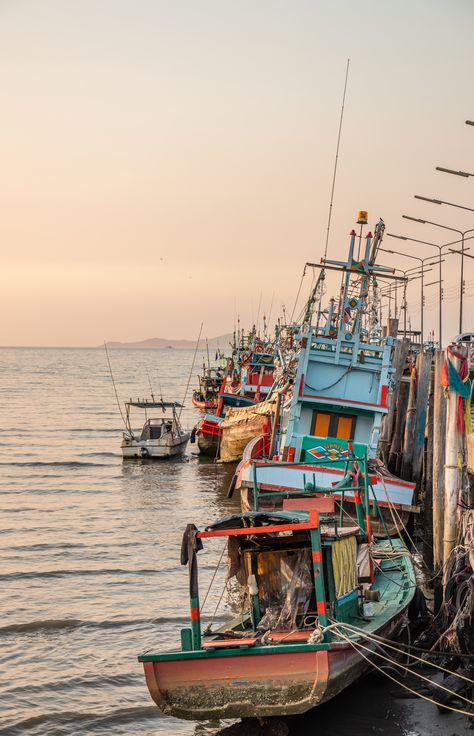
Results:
<point x="439" y="444"/>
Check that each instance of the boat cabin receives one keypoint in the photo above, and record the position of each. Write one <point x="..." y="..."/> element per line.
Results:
<point x="296" y="568"/>
<point x="156" y="429"/>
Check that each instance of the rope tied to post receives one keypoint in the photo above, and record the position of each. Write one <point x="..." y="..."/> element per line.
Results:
<point x="459" y="382"/>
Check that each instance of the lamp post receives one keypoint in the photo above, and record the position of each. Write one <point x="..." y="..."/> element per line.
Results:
<point x="452" y="171"/>
<point x="442" y="201"/>
<point x="462" y="234"/>
<point x="440" y="250"/>
<point x="422" y="273"/>
<point x="409" y="274"/>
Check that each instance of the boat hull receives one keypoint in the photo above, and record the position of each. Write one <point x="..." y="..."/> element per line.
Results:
<point x="208" y="434"/>
<point x="204" y="405"/>
<point x="151" y="449"/>
<point x="262" y="683"/>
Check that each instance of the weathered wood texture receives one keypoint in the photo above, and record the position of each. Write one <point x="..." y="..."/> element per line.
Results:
<point x="395" y="455"/>
<point x="424" y="361"/>
<point x="399" y="361"/>
<point x="427" y="483"/>
<point x="407" y="457"/>
<point x="439" y="445"/>
<point x="452" y="468"/>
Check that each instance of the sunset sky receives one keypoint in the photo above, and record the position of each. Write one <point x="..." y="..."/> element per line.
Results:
<point x="167" y="163"/>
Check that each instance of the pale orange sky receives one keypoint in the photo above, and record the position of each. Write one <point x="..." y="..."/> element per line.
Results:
<point x="162" y="162"/>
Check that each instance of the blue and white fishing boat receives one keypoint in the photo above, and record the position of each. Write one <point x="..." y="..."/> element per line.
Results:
<point x="340" y="395"/>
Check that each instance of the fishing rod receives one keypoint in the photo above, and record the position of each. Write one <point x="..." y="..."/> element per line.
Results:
<point x="191" y="371"/>
<point x="151" y="387"/>
<point x="115" y="387"/>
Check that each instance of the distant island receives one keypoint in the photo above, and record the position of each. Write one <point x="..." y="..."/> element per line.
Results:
<point x="222" y="341"/>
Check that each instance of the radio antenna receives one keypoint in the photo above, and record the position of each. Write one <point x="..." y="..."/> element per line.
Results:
<point x="113" y="383"/>
<point x="336" y="159"/>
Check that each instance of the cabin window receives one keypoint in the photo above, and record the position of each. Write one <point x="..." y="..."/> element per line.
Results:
<point x="341" y="426"/>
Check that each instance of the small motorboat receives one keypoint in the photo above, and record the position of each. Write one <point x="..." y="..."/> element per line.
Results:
<point x="161" y="437"/>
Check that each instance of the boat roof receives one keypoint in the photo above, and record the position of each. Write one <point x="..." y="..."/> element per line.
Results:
<point x="145" y="404"/>
<point x="259" y="518"/>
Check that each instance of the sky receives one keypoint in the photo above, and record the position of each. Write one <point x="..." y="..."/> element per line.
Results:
<point x="164" y="164"/>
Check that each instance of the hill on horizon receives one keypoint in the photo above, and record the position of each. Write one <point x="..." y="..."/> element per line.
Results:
<point x="221" y="341"/>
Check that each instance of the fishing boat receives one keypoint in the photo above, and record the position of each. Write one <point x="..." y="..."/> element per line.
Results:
<point x="314" y="595"/>
<point x="206" y="396"/>
<point x="160" y="437"/>
<point x="248" y="380"/>
<point x="208" y="429"/>
<point x="342" y="386"/>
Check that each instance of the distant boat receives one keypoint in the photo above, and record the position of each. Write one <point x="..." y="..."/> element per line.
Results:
<point x="169" y="347"/>
<point x="161" y="437"/>
<point x="206" y="397"/>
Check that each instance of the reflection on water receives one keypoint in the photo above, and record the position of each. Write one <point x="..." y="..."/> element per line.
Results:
<point x="90" y="550"/>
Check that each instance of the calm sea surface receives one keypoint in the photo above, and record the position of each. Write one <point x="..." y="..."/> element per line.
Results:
<point x="89" y="550"/>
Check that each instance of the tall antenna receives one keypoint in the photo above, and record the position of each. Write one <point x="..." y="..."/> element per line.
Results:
<point x="336" y="159"/>
<point x="113" y="383"/>
<point x="191" y="371"/>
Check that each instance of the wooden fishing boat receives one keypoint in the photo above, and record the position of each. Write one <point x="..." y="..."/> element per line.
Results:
<point x="342" y="386"/>
<point x="208" y="429"/>
<point x="313" y="596"/>
<point x="207" y="396"/>
<point x="160" y="437"/>
<point x="241" y="426"/>
<point x="248" y="380"/>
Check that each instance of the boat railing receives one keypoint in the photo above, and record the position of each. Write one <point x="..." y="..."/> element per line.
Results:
<point x="356" y="480"/>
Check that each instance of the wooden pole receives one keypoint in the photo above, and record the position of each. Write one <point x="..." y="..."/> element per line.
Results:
<point x="427" y="482"/>
<point x="399" y="361"/>
<point x="452" y="469"/>
<point x="276" y="420"/>
<point x="394" y="459"/>
<point x="439" y="445"/>
<point x="407" y="457"/>
<point x="424" y="375"/>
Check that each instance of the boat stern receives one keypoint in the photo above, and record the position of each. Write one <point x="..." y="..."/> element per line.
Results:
<point x="238" y="685"/>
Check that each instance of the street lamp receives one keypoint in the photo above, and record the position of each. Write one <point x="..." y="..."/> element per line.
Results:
<point x="423" y="271"/>
<point x="441" y="201"/>
<point x="451" y="171"/>
<point x="462" y="234"/>
<point x="440" y="249"/>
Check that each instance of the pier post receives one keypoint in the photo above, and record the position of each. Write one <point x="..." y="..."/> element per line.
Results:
<point x="395" y="456"/>
<point x="423" y="385"/>
<point x="453" y="466"/>
<point x="439" y="444"/>
<point x="427" y="482"/>
<point x="407" y="457"/>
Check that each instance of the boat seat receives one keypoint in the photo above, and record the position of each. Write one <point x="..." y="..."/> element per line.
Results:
<point x="226" y="643"/>
<point x="323" y="504"/>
